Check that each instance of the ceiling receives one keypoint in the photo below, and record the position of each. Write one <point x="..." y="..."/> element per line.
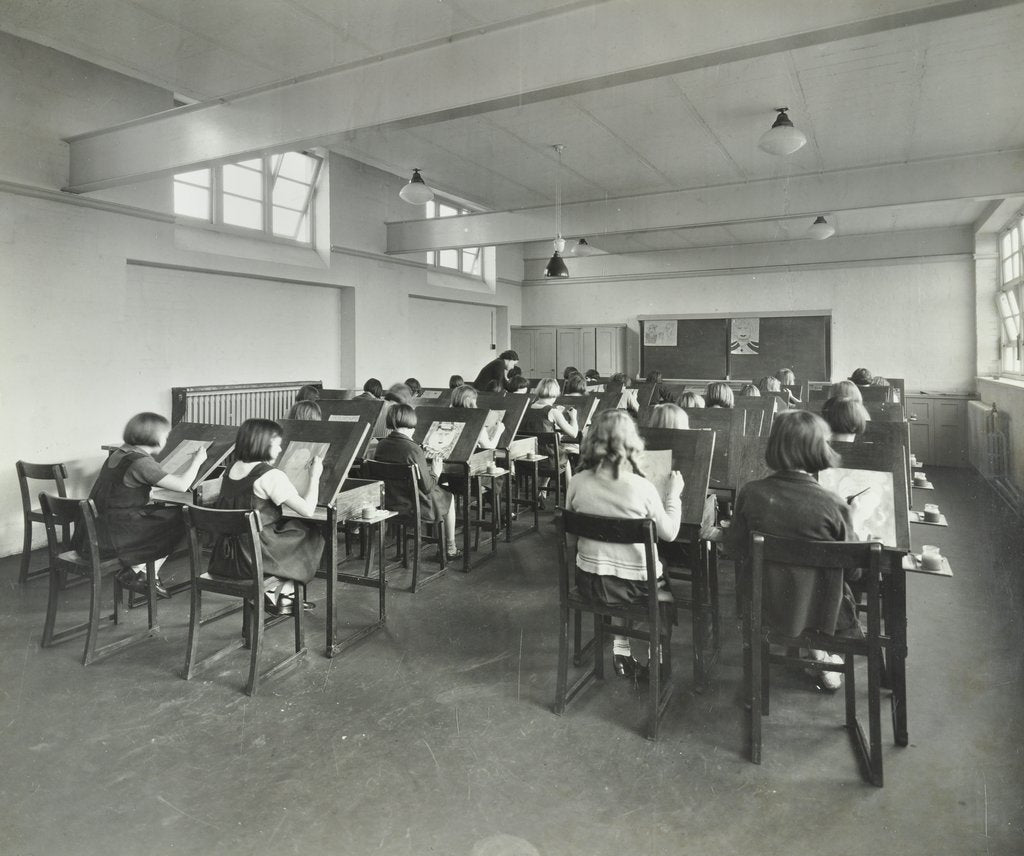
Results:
<point x="941" y="88"/>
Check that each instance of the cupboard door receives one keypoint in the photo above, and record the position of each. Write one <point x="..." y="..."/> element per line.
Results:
<point x="949" y="433"/>
<point x="610" y="350"/>
<point x="568" y="348"/>
<point x="522" y="343"/>
<point x="543" y="353"/>
<point x="588" y="355"/>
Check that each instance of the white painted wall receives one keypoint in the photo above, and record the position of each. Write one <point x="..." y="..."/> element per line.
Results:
<point x="902" y="320"/>
<point x="465" y="353"/>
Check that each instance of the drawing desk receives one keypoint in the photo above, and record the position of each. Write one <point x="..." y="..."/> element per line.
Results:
<point x="368" y="410"/>
<point x="511" y="448"/>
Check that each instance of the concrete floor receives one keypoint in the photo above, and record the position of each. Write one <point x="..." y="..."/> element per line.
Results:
<point x="436" y="736"/>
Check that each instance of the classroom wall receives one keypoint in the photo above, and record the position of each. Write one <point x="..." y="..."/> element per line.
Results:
<point x="104" y="309"/>
<point x="903" y="320"/>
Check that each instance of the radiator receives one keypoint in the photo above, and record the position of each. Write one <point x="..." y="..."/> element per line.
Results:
<point x="988" y="449"/>
<point x="233" y="404"/>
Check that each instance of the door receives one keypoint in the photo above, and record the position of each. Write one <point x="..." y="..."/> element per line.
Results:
<point x="544" y="362"/>
<point x="610" y="350"/>
<point x="569" y="349"/>
<point x="522" y="344"/>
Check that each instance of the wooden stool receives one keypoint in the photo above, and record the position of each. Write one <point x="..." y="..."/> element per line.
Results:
<point x="243" y="528"/>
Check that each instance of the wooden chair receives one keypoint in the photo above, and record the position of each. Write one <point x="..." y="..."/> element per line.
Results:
<point x="55" y="473"/>
<point x="244" y="526"/>
<point x="403" y="480"/>
<point x="64" y="514"/>
<point x="615" y="531"/>
<point x="815" y="557"/>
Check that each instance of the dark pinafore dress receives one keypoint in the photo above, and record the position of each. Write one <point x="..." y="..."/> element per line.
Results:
<point x="538" y="419"/>
<point x="291" y="548"/>
<point x="129" y="527"/>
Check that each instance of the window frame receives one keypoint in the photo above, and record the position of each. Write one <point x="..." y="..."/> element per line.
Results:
<point x="269" y="174"/>
<point x="434" y="256"/>
<point x="1011" y="291"/>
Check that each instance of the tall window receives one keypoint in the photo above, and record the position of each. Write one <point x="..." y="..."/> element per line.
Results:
<point x="271" y="194"/>
<point x="1011" y="292"/>
<point x="467" y="259"/>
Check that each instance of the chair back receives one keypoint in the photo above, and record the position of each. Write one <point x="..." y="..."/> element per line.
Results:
<point x="78" y="521"/>
<point x="610" y="530"/>
<point x="814" y="557"/>
<point x="400" y="482"/>
<point x="55" y="473"/>
<point x="225" y="526"/>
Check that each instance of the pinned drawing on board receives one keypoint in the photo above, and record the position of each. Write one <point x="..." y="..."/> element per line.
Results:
<point x="296" y="459"/>
<point x="177" y="462"/>
<point x="661" y="334"/>
<point x="656" y="466"/>
<point x="745" y="336"/>
<point x="442" y="438"/>
<point x="874" y="512"/>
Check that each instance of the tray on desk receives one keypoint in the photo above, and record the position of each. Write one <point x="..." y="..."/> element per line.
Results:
<point x="918" y="517"/>
<point x="912" y="562"/>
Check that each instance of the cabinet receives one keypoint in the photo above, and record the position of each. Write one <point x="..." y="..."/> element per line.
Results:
<point x="546" y="351"/>
<point x="938" y="428"/>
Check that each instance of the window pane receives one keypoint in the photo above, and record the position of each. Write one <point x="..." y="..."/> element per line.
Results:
<point x="255" y="163"/>
<point x="471" y="260"/>
<point x="431" y="209"/>
<point x="296" y="166"/>
<point x="290" y="194"/>
<point x="289" y="224"/>
<point x="1007" y="270"/>
<point x="1004" y="246"/>
<point x="1011" y="302"/>
<point x="446" y="210"/>
<point x="243" y="182"/>
<point x="200" y="177"/>
<point x="191" y="201"/>
<point x="243" y="212"/>
<point x="449" y="258"/>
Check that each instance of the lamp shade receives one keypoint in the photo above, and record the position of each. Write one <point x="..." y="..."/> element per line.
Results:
<point x="416" y="191"/>
<point x="821" y="229"/>
<point x="582" y="248"/>
<point x="782" y="138"/>
<point x="556" y="267"/>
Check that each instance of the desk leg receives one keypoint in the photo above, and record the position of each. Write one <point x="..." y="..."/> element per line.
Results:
<point x="332" y="582"/>
<point x="509" y="507"/>
<point x="896" y="627"/>
<point x="495" y="512"/>
<point x="467" y="524"/>
<point x="382" y="607"/>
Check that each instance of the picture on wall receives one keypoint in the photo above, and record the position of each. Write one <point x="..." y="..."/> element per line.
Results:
<point x="745" y="336"/>
<point x="661" y="334"/>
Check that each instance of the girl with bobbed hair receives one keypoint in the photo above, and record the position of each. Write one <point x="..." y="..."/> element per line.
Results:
<point x="668" y="415"/>
<point x="465" y="397"/>
<point x="291" y="548"/>
<point x="373" y="388"/>
<point x="610" y="483"/>
<point x="845" y="389"/>
<point x="398" y="447"/>
<point x="751" y="390"/>
<point x="769" y="384"/>
<point x="791" y="504"/>
<point x="305" y="411"/>
<point x="543" y="416"/>
<point x="861" y="377"/>
<point x="309" y="392"/>
<point x="455" y="380"/>
<point x="690" y="400"/>
<point x="129" y="527"/>
<point x="719" y="394"/>
<point x="575" y="385"/>
<point x="846" y="417"/>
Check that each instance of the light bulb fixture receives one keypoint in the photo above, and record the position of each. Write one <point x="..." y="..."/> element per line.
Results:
<point x="416" y="192"/>
<point x="556" y="266"/>
<point x="782" y="138"/>
<point x="582" y="248"/>
<point x="821" y="229"/>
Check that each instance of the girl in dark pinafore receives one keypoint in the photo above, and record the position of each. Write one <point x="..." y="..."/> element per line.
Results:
<point x="291" y="548"/>
<point x="129" y="527"/>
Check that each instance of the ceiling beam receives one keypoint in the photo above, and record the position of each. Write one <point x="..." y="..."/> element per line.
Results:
<point x="970" y="177"/>
<point x="614" y="43"/>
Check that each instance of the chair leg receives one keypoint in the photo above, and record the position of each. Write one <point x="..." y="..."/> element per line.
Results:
<point x="415" y="558"/>
<point x="875" y="714"/>
<point x="562" y="680"/>
<point x="300" y="597"/>
<point x="765" y="680"/>
<point x="654" y="684"/>
<point x="151" y="607"/>
<point x="194" y="620"/>
<point x="256" y="624"/>
<point x="51" y="608"/>
<point x="598" y="647"/>
<point x="752" y="652"/>
<point x="26" y="551"/>
<point x="851" y="692"/>
<point x="95" y="590"/>
<point x="577" y="620"/>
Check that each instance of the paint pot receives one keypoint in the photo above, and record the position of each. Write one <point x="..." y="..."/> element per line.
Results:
<point x="369" y="512"/>
<point x="931" y="559"/>
<point x="931" y="513"/>
<point x="920" y="478"/>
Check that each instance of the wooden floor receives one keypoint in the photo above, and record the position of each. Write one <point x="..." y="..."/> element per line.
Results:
<point x="436" y="736"/>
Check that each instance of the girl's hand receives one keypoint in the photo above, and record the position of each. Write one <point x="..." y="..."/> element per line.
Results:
<point x="436" y="466"/>
<point x="316" y="467"/>
<point x="675" y="483"/>
<point x="199" y="455"/>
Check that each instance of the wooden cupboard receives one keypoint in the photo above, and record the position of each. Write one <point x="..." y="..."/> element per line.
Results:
<point x="546" y="351"/>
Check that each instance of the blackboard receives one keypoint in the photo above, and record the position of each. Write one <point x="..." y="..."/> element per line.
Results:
<point x="800" y="342"/>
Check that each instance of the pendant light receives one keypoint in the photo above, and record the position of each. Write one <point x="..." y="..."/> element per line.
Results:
<point x="416" y="192"/>
<point x="782" y="138"/>
<point x="556" y="267"/>
<point x="582" y="248"/>
<point x="821" y="229"/>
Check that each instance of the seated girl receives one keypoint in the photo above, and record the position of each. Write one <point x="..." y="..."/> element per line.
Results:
<point x="308" y="393"/>
<point x="689" y="400"/>
<point x="129" y="527"/>
<point x="791" y="504"/>
<point x="750" y="390"/>
<point x="846" y="418"/>
<point x="455" y="380"/>
<point x="305" y="411"/>
<point x="291" y="548"/>
<point x="398" y="448"/>
<point x="670" y="415"/>
<point x="465" y="396"/>
<point x="786" y="378"/>
<point x="846" y="389"/>
<point x="415" y="387"/>
<point x="719" y="394"/>
<point x="611" y="484"/>
<point x="575" y="385"/>
<point x="373" y="388"/>
<point x="861" y="377"/>
<point x="519" y="385"/>
<point x="629" y="400"/>
<point x="544" y="416"/>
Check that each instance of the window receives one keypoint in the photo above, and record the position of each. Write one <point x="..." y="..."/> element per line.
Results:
<point x="271" y="194"/>
<point x="466" y="260"/>
<point x="1009" y="298"/>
